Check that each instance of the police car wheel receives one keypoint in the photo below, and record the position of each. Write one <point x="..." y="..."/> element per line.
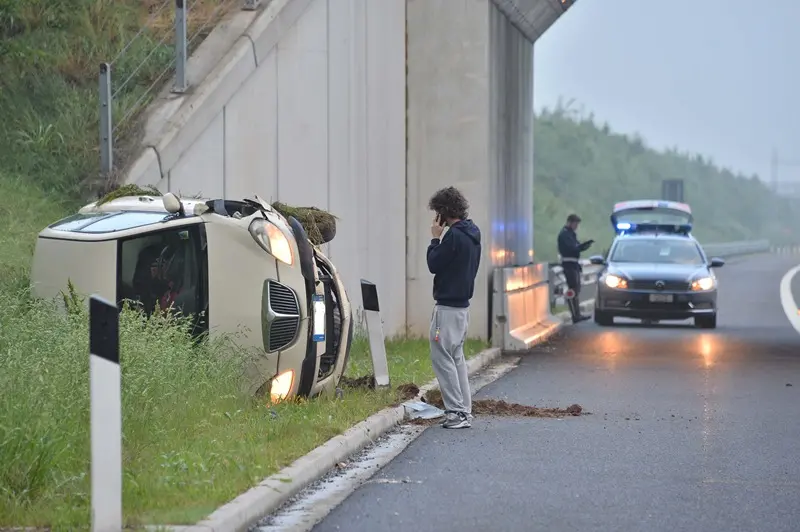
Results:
<point x="603" y="319"/>
<point x="706" y="322"/>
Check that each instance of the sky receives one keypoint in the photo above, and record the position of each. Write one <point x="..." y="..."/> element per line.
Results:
<point x="717" y="77"/>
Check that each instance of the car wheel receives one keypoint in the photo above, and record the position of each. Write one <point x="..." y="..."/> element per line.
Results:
<point x="706" y="322"/>
<point x="603" y="319"/>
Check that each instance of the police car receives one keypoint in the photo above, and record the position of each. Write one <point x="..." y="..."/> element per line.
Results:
<point x="655" y="269"/>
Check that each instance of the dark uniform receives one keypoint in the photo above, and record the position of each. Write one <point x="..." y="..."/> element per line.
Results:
<point x="570" y="250"/>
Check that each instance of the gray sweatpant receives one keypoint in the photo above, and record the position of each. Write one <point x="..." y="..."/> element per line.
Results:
<point x="447" y="337"/>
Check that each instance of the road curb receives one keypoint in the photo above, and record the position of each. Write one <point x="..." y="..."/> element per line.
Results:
<point x="250" y="507"/>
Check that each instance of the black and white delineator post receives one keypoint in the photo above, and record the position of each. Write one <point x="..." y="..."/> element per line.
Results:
<point x="377" y="347"/>
<point x="106" y="415"/>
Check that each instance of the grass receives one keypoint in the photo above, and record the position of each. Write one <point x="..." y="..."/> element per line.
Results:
<point x="50" y="51"/>
<point x="191" y="442"/>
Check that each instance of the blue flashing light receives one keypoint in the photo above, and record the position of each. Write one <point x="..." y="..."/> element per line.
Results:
<point x="678" y="229"/>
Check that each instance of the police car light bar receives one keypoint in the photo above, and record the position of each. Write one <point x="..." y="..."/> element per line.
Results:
<point x="626" y="227"/>
<point x="652" y="204"/>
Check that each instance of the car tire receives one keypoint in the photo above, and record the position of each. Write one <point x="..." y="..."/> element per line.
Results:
<point x="603" y="319"/>
<point x="706" y="322"/>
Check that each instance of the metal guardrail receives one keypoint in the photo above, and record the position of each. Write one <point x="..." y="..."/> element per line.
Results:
<point x="792" y="249"/>
<point x="732" y="249"/>
<point x="558" y="283"/>
<point x="590" y="271"/>
<point x="158" y="51"/>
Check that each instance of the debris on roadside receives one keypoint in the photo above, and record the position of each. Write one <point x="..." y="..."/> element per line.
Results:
<point x="365" y="381"/>
<point x="498" y="407"/>
<point x="320" y="225"/>
<point x="422" y="410"/>
<point x="404" y="391"/>
<point x="407" y="391"/>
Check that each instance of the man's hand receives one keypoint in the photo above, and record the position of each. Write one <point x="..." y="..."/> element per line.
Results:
<point x="436" y="229"/>
<point x="589" y="243"/>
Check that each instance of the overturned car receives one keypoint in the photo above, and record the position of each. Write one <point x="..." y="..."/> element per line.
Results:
<point x="235" y="267"/>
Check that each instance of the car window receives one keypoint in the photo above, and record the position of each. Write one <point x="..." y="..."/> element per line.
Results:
<point x="78" y="221"/>
<point x="122" y="221"/>
<point x="659" y="251"/>
<point x="163" y="269"/>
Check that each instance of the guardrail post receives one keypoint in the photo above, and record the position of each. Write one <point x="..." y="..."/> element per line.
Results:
<point x="377" y="346"/>
<point x="180" y="47"/>
<point x="106" y="131"/>
<point x="106" y="416"/>
<point x="250" y="5"/>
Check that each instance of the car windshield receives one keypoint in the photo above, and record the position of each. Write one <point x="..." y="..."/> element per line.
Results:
<point x="659" y="251"/>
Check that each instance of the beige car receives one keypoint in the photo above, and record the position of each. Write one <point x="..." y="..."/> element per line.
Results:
<point x="237" y="267"/>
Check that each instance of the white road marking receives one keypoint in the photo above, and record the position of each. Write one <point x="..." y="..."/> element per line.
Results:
<point x="787" y="299"/>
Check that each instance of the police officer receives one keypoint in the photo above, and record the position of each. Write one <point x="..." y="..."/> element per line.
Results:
<point x="570" y="250"/>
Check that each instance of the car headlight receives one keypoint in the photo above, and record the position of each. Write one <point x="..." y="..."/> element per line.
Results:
<point x="281" y="386"/>
<point x="615" y="281"/>
<point x="700" y="285"/>
<point x="274" y="241"/>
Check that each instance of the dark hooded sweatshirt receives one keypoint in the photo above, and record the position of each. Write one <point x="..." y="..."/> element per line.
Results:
<point x="454" y="262"/>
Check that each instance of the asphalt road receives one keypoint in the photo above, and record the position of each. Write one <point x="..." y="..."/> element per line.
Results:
<point x="690" y="430"/>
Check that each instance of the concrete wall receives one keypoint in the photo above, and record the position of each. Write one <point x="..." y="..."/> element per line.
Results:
<point x="364" y="108"/>
<point x="319" y="121"/>
<point x="448" y="136"/>
<point x="470" y="124"/>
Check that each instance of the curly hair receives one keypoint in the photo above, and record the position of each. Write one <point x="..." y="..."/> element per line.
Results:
<point x="450" y="203"/>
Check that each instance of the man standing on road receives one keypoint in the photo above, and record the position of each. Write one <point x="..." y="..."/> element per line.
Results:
<point x="453" y="260"/>
<point x="570" y="250"/>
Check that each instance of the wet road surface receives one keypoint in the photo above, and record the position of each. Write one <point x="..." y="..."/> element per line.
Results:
<point x="691" y="430"/>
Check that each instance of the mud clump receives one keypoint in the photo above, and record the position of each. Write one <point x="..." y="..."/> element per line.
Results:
<point x="320" y="225"/>
<point x="495" y="407"/>
<point x="407" y="391"/>
<point x="404" y="392"/>
<point x="365" y="382"/>
<point x="128" y="190"/>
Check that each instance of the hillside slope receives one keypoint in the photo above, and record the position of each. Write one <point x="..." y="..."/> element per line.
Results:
<point x="50" y="52"/>
<point x="585" y="168"/>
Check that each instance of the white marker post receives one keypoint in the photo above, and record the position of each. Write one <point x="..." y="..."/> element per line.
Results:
<point x="377" y="347"/>
<point x="106" y="416"/>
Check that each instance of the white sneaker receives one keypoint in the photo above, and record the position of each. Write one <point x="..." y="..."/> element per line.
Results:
<point x="459" y="421"/>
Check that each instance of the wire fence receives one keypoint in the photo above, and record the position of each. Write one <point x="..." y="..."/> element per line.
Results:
<point x="160" y="50"/>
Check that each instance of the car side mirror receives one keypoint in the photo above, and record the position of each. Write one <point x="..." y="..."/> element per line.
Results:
<point x="717" y="262"/>
<point x="597" y="259"/>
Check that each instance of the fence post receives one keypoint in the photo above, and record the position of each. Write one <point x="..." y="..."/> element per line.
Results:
<point x="377" y="347"/>
<point x="180" y="47"/>
<point x="106" y="127"/>
<point x="106" y="416"/>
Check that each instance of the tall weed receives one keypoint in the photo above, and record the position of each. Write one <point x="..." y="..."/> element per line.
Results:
<point x="169" y="382"/>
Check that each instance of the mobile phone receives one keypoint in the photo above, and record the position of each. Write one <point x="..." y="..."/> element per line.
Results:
<point x="440" y="220"/>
